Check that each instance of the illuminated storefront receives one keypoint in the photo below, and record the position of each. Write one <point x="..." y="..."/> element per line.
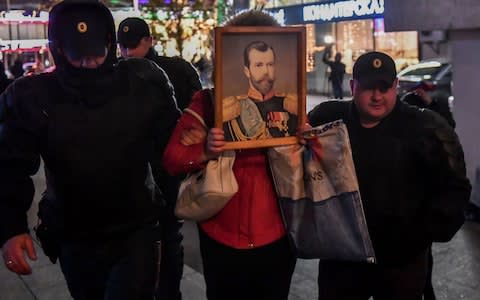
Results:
<point x="353" y="26"/>
<point x="24" y="38"/>
<point x="180" y="30"/>
<point x="185" y="33"/>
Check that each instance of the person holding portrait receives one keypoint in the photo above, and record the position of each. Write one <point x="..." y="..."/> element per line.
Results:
<point x="262" y="113"/>
<point x="245" y="250"/>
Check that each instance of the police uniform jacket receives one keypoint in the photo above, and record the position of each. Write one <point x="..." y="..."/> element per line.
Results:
<point x="411" y="173"/>
<point x="97" y="131"/>
<point x="182" y="74"/>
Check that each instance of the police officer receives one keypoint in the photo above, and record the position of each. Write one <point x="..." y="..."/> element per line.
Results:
<point x="135" y="40"/>
<point x="412" y="178"/>
<point x="98" y="126"/>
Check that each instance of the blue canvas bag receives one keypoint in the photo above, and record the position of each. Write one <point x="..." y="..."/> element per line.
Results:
<point x="320" y="199"/>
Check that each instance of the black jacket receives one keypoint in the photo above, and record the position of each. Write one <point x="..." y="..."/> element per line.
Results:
<point x="185" y="81"/>
<point x="438" y="105"/>
<point x="182" y="74"/>
<point x="411" y="173"/>
<point x="97" y="132"/>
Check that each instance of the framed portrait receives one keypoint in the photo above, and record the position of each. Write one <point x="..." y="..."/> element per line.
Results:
<point x="260" y="85"/>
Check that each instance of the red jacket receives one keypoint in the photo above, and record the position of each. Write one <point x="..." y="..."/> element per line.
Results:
<point x="252" y="217"/>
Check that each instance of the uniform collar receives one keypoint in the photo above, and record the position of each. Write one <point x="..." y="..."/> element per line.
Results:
<point x="151" y="54"/>
<point x="257" y="96"/>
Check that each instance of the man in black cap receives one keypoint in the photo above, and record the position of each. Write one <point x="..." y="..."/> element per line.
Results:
<point x="135" y="40"/>
<point x="411" y="172"/>
<point x="99" y="127"/>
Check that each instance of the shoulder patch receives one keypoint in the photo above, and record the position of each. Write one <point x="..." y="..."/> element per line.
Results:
<point x="290" y="103"/>
<point x="231" y="107"/>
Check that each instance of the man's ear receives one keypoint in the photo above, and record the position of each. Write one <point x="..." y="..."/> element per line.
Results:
<point x="395" y="83"/>
<point x="246" y="71"/>
<point x="149" y="40"/>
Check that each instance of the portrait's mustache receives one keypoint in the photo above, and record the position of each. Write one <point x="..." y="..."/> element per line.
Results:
<point x="265" y="79"/>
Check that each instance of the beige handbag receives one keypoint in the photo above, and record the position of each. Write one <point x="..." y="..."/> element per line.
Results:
<point x="204" y="193"/>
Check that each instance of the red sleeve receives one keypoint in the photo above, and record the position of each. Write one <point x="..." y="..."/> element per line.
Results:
<point x="180" y="159"/>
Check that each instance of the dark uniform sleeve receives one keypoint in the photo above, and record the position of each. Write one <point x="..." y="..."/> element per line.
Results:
<point x="19" y="159"/>
<point x="328" y="111"/>
<point x="439" y="106"/>
<point x="193" y="78"/>
<point x="192" y="84"/>
<point x="165" y="123"/>
<point x="449" y="188"/>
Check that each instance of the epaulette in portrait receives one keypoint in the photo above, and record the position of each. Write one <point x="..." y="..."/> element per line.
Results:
<point x="290" y="103"/>
<point x="231" y="107"/>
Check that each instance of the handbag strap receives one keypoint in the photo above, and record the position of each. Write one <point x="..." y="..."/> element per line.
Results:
<point x="196" y="116"/>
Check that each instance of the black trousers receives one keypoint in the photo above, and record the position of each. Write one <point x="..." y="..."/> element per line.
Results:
<point x="262" y="273"/>
<point x="428" y="292"/>
<point x="123" y="268"/>
<point x="171" y="269"/>
<point x="360" y="281"/>
<point x="337" y="90"/>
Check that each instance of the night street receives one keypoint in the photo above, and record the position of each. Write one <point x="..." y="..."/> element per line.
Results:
<point x="115" y="95"/>
<point x="456" y="271"/>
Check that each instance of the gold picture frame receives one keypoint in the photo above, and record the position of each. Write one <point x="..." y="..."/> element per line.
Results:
<point x="260" y="85"/>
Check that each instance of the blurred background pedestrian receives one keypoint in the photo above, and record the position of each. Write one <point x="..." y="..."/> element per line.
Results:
<point x="337" y="71"/>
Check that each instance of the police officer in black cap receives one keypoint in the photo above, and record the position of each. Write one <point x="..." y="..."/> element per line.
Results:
<point x="135" y="40"/>
<point x="99" y="127"/>
<point x="412" y="178"/>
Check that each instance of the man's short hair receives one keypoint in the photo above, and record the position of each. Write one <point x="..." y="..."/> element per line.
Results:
<point x="257" y="45"/>
<point x="131" y="31"/>
<point x="252" y="18"/>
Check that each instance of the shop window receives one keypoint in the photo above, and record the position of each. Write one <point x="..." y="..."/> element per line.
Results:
<point x="4" y="31"/>
<point x="352" y="39"/>
<point x="401" y="46"/>
<point x="32" y="31"/>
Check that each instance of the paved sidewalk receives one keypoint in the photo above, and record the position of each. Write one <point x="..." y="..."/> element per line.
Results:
<point x="47" y="283"/>
<point x="456" y="275"/>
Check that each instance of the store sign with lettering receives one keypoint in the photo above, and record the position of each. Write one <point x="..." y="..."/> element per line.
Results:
<point x="332" y="11"/>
